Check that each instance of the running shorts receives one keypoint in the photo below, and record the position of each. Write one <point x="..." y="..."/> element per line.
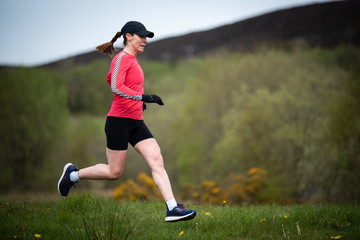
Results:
<point x="121" y="131"/>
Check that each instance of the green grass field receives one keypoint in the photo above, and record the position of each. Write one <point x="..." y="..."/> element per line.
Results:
<point x="86" y="216"/>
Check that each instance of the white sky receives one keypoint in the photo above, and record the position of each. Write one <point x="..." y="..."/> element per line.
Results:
<point x="34" y="32"/>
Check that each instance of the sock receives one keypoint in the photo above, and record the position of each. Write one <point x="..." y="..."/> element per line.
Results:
<point x="74" y="176"/>
<point x="171" y="204"/>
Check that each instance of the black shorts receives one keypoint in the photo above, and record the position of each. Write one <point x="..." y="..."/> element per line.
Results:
<point x="121" y="131"/>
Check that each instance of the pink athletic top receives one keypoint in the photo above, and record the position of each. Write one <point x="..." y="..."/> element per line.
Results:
<point x="126" y="79"/>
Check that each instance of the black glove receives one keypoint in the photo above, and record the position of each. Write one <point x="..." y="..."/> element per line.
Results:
<point x="152" y="98"/>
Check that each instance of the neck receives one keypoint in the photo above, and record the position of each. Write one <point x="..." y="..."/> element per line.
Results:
<point x="130" y="51"/>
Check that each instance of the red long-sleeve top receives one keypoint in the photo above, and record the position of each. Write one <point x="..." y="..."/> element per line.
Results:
<point x="126" y="79"/>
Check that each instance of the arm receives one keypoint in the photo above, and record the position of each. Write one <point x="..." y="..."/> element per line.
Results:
<point x="118" y="87"/>
<point x="118" y="79"/>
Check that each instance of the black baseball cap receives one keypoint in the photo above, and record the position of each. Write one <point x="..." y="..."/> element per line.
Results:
<point x="137" y="28"/>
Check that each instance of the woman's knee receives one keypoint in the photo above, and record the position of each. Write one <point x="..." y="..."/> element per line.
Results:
<point x="116" y="162"/>
<point x="156" y="160"/>
<point x="115" y="174"/>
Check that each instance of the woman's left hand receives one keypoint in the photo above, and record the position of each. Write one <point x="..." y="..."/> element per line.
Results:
<point x="152" y="98"/>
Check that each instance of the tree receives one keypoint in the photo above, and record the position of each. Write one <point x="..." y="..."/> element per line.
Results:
<point x="34" y="116"/>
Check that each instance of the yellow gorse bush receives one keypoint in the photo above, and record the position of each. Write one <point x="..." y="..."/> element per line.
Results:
<point x="145" y="180"/>
<point x="237" y="188"/>
<point x="143" y="189"/>
<point x="256" y="172"/>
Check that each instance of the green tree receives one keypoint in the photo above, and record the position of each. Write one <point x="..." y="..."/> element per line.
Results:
<point x="293" y="113"/>
<point x="34" y="116"/>
<point x="88" y="91"/>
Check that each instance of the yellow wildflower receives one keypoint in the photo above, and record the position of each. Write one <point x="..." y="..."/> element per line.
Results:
<point x="181" y="233"/>
<point x="209" y="214"/>
<point x="37" y="235"/>
<point x="285" y="216"/>
<point x="224" y="202"/>
<point x="336" y="237"/>
<point x="263" y="220"/>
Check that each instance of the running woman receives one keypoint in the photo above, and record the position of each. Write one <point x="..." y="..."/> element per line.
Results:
<point x="125" y="124"/>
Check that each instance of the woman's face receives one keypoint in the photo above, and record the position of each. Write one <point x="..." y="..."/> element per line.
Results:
<point x="136" y="43"/>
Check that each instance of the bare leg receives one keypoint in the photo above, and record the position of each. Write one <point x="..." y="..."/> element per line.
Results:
<point x="150" y="151"/>
<point x="111" y="171"/>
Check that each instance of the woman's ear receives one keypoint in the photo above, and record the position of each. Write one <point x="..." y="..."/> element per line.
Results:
<point x="128" y="37"/>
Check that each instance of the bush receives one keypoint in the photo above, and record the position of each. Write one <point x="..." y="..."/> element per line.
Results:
<point x="236" y="189"/>
<point x="143" y="189"/>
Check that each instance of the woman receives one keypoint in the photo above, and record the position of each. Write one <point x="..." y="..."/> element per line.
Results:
<point x="124" y="123"/>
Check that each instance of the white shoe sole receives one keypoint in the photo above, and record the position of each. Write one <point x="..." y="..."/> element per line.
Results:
<point x="66" y="166"/>
<point x="179" y="218"/>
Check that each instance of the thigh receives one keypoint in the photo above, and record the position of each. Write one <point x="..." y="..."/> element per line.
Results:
<point x="117" y="133"/>
<point x="150" y="151"/>
<point x="116" y="159"/>
<point x="140" y="133"/>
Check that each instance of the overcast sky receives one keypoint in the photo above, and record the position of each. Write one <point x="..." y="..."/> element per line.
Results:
<point x="34" y="32"/>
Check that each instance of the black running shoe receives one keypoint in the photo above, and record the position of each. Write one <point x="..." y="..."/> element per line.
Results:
<point x="179" y="213"/>
<point x="65" y="183"/>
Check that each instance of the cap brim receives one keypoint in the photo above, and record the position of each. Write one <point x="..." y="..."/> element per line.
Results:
<point x="145" y="33"/>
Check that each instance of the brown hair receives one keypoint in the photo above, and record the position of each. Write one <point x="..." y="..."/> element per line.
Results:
<point x="108" y="48"/>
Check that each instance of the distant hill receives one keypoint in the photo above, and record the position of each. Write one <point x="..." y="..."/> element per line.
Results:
<point x="325" y="24"/>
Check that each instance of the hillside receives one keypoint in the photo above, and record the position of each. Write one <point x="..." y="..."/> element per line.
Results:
<point x="326" y="24"/>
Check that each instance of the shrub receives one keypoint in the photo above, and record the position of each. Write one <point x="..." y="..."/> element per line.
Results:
<point x="237" y="188"/>
<point x="143" y="189"/>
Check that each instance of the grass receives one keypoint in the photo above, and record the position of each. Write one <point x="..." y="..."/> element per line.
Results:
<point x="86" y="216"/>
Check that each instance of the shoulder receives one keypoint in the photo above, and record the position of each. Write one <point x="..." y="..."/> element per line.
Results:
<point x="122" y="58"/>
<point x="121" y="55"/>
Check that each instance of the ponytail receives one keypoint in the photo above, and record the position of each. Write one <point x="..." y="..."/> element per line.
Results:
<point x="108" y="48"/>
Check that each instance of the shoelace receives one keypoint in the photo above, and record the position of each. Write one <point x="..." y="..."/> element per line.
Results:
<point x="181" y="206"/>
